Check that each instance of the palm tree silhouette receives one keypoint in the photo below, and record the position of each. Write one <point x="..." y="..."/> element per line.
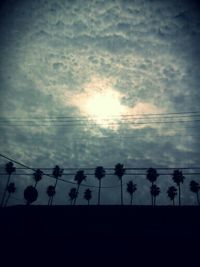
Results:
<point x="178" y="178"/>
<point x="155" y="191"/>
<point x="172" y="192"/>
<point x="119" y="172"/>
<point x="152" y="176"/>
<point x="9" y="168"/>
<point x="195" y="187"/>
<point x="79" y="178"/>
<point x="131" y="188"/>
<point x="37" y="176"/>
<point x="99" y="174"/>
<point x="11" y="190"/>
<point x="57" y="172"/>
<point x="88" y="195"/>
<point x="51" y="193"/>
<point x="72" y="194"/>
<point x="30" y="194"/>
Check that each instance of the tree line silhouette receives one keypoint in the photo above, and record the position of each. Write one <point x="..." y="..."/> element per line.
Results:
<point x="31" y="193"/>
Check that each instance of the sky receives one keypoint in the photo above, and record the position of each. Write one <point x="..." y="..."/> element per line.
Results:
<point x="77" y="78"/>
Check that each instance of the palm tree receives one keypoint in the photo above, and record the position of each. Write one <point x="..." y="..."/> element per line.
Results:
<point x="155" y="191"/>
<point x="9" y="168"/>
<point x="79" y="178"/>
<point x="195" y="187"/>
<point x="172" y="192"/>
<point x="30" y="194"/>
<point x="99" y="174"/>
<point x="51" y="193"/>
<point x="11" y="190"/>
<point x="37" y="176"/>
<point x="120" y="171"/>
<point x="152" y="176"/>
<point x="178" y="178"/>
<point x="88" y="195"/>
<point x="57" y="172"/>
<point x="131" y="188"/>
<point x="72" y="194"/>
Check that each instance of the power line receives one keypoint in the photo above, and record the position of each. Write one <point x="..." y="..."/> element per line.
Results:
<point x="93" y="186"/>
<point x="110" y="168"/>
<point x="96" y="123"/>
<point x="65" y="119"/>
<point x="60" y="179"/>
<point x="91" y="174"/>
<point x="29" y="168"/>
<point x="111" y="116"/>
<point x="135" y="137"/>
<point x="125" y="119"/>
<point x="107" y="174"/>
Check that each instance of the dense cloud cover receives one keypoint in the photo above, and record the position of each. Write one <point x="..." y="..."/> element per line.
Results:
<point x="56" y="54"/>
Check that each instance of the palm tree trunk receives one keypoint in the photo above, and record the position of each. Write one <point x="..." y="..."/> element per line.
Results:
<point x="154" y="201"/>
<point x="99" y="193"/>
<point x="179" y="195"/>
<point x="131" y="199"/>
<point x="51" y="201"/>
<point x="198" y="198"/>
<point x="121" y="192"/>
<point x="76" y="194"/>
<point x="4" y="193"/>
<point x="35" y="184"/>
<point x="173" y="202"/>
<point x="56" y="183"/>
<point x="88" y="202"/>
<point x="7" y="200"/>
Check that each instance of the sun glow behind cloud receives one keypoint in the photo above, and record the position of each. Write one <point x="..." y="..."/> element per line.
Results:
<point x="105" y="104"/>
<point x="102" y="104"/>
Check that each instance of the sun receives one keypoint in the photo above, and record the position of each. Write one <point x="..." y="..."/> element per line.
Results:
<point x="100" y="102"/>
<point x="105" y="105"/>
<point x="105" y="108"/>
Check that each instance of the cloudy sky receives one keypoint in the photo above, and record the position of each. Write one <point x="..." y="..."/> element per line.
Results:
<point x="77" y="77"/>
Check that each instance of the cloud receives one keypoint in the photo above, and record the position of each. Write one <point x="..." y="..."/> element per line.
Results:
<point x="55" y="53"/>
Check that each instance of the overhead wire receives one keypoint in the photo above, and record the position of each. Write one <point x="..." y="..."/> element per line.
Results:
<point x="92" y="174"/>
<point x="107" y="174"/>
<point x="111" y="116"/>
<point x="128" y="168"/>
<point x="107" y="118"/>
<point x="48" y="175"/>
<point x="92" y="186"/>
<point x="97" y="123"/>
<point x="124" y="119"/>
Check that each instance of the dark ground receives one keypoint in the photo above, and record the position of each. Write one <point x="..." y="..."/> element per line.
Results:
<point x="138" y="233"/>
